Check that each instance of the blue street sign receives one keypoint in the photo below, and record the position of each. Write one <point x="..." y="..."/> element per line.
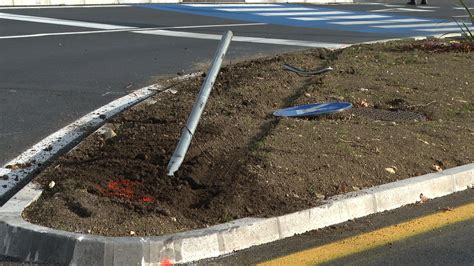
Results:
<point x="313" y="109"/>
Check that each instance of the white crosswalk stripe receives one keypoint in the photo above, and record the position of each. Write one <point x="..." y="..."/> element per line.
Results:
<point x="388" y="21"/>
<point x="462" y="8"/>
<point x="264" y="9"/>
<point x="314" y="13"/>
<point x="231" y="5"/>
<point x="456" y="29"/>
<point x="402" y="10"/>
<point x="418" y="25"/>
<point x="340" y="17"/>
<point x="321" y="17"/>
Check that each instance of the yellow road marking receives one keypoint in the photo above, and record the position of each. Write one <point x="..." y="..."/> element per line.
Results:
<point x="376" y="238"/>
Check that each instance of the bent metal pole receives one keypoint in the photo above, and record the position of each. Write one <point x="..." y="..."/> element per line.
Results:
<point x="193" y="119"/>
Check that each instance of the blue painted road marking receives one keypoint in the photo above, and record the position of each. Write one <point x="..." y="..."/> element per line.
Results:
<point x="318" y="17"/>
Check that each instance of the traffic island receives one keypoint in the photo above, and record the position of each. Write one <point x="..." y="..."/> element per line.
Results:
<point x="412" y="117"/>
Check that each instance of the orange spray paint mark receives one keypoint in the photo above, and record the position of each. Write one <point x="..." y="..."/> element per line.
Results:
<point x="124" y="189"/>
<point x="166" y="262"/>
<point x="147" y="199"/>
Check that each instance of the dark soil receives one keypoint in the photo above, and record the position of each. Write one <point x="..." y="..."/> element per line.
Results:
<point x="245" y="162"/>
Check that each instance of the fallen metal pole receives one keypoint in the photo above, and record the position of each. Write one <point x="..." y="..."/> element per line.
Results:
<point x="198" y="107"/>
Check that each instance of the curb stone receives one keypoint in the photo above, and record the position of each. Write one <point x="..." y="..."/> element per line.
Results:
<point x="34" y="243"/>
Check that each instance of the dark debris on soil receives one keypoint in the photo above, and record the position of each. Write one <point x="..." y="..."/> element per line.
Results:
<point x="245" y="162"/>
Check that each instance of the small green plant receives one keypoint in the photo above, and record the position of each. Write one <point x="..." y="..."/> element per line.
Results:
<point x="468" y="34"/>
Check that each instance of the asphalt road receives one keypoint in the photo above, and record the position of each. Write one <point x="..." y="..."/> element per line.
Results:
<point x="49" y="80"/>
<point x="450" y="245"/>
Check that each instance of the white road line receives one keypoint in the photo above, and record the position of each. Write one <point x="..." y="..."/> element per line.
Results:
<point x="63" y="22"/>
<point x="168" y="33"/>
<point x="59" y="34"/>
<point x="232" y="5"/>
<point x="462" y="8"/>
<point x="428" y="7"/>
<point x="340" y="17"/>
<point x="402" y="10"/>
<point x="216" y="26"/>
<point x="422" y="25"/>
<point x="370" y="22"/>
<point x="244" y="39"/>
<point x="381" y="4"/>
<point x="264" y="9"/>
<point x="314" y="13"/>
<point x="126" y="30"/>
<point x="55" y="7"/>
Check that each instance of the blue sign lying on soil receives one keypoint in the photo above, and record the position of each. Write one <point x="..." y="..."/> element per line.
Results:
<point x="313" y="109"/>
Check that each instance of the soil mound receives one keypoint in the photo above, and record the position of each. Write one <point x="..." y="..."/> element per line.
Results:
<point x="245" y="162"/>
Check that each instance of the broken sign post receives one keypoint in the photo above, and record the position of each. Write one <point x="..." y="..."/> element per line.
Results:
<point x="193" y="119"/>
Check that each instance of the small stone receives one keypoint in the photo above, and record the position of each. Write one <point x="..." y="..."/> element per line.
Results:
<point x="107" y="132"/>
<point x="391" y="170"/>
<point x="423" y="199"/>
<point x="436" y="167"/>
<point x="132" y="233"/>
<point x="363" y="103"/>
<point x="363" y="89"/>
<point x="424" y="141"/>
<point x="51" y="184"/>
<point x="89" y="231"/>
<point x="173" y="219"/>
<point x="249" y="210"/>
<point x="320" y="196"/>
<point x="307" y="95"/>
<point x="355" y="188"/>
<point x="150" y="102"/>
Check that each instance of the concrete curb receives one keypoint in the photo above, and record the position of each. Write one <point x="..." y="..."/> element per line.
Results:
<point x="34" y="243"/>
<point x="126" y="2"/>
